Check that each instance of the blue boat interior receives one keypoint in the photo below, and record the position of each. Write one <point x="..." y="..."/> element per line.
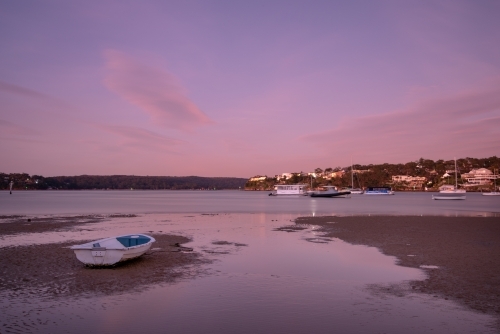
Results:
<point x="133" y="240"/>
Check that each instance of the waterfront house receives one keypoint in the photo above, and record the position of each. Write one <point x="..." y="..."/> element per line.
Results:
<point x="478" y="177"/>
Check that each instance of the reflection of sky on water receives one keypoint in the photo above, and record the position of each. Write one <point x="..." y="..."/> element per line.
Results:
<point x="278" y="282"/>
<point x="107" y="202"/>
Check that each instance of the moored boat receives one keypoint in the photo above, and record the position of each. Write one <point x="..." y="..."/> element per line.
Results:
<point x="449" y="197"/>
<point x="357" y="191"/>
<point x="289" y="189"/>
<point x="494" y="192"/>
<point x="331" y="191"/>
<point x="109" y="251"/>
<point x="379" y="191"/>
<point x="449" y="189"/>
<point x="353" y="190"/>
<point x="449" y="192"/>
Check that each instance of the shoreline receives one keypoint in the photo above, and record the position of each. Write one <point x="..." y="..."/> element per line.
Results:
<point x="464" y="250"/>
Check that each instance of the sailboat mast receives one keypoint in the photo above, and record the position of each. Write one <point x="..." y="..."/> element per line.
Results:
<point x="456" y="176"/>
<point x="352" y="175"/>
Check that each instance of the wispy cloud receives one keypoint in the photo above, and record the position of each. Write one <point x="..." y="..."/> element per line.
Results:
<point x="12" y="129"/>
<point x="465" y="124"/>
<point x="141" y="138"/>
<point x="19" y="90"/>
<point x="153" y="90"/>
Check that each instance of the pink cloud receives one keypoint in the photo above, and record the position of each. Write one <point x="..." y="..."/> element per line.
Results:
<point x="467" y="124"/>
<point x="153" y="90"/>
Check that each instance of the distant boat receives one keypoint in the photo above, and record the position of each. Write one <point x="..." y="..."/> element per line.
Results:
<point x="109" y="251"/>
<point x="449" y="192"/>
<point x="379" y="191"/>
<point x="289" y="189"/>
<point x="353" y="190"/>
<point x="494" y="192"/>
<point x="331" y="191"/>
<point x="448" y="197"/>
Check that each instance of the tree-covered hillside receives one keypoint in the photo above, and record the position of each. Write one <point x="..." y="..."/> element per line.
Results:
<point x="25" y="181"/>
<point x="381" y="175"/>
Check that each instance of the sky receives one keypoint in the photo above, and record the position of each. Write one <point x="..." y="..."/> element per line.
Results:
<point x="244" y="88"/>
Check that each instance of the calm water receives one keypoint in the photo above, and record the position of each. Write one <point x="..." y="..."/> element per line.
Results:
<point x="279" y="283"/>
<point x="103" y="202"/>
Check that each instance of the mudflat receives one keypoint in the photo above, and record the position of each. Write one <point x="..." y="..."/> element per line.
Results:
<point x="459" y="254"/>
<point x="52" y="270"/>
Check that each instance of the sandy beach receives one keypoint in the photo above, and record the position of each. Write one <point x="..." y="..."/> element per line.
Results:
<point x="464" y="249"/>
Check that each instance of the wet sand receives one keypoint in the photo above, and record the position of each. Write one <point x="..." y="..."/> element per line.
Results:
<point x="466" y="251"/>
<point x="11" y="225"/>
<point x="52" y="270"/>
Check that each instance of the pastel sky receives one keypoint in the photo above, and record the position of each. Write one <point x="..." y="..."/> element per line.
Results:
<point x="240" y="88"/>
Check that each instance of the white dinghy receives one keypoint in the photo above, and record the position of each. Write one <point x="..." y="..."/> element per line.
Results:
<point x="109" y="251"/>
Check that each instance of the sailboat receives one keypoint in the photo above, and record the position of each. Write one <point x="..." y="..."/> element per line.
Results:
<point x="494" y="192"/>
<point x="352" y="189"/>
<point x="451" y="193"/>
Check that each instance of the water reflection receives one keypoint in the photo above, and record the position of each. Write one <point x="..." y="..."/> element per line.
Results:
<point x="279" y="282"/>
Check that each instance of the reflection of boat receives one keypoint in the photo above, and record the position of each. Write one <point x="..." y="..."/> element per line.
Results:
<point x="494" y="192"/>
<point x="289" y="189"/>
<point x="379" y="191"/>
<point x="109" y="251"/>
<point x="449" y="192"/>
<point x="331" y="191"/>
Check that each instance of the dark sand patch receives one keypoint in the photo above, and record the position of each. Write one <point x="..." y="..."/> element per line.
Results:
<point x="290" y="228"/>
<point x="19" y="225"/>
<point x="465" y="249"/>
<point x="227" y="243"/>
<point x="122" y="215"/>
<point x="209" y="251"/>
<point x="51" y="270"/>
<point x="221" y="243"/>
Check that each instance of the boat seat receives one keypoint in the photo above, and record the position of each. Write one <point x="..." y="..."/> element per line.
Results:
<point x="133" y="240"/>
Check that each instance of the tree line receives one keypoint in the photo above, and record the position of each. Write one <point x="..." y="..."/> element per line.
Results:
<point x="117" y="182"/>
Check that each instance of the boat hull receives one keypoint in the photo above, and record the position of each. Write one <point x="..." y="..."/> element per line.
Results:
<point x="110" y="251"/>
<point x="495" y="193"/>
<point x="109" y="257"/>
<point x="441" y="197"/>
<point x="331" y="194"/>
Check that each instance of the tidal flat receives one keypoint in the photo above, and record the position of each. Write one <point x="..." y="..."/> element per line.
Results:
<point x="247" y="274"/>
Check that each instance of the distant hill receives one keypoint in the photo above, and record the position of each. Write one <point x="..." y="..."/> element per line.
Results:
<point x="25" y="181"/>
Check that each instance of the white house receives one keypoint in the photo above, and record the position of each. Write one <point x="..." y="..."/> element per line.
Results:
<point x="478" y="177"/>
<point x="406" y="178"/>
<point x="258" y="178"/>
